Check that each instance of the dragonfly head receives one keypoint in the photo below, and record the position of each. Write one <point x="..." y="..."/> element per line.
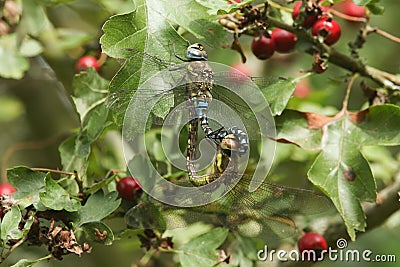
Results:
<point x="229" y="142"/>
<point x="235" y="140"/>
<point x="196" y="52"/>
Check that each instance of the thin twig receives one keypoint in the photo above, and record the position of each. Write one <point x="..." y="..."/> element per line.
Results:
<point x="347" y="95"/>
<point x="384" y="34"/>
<point x="12" y="248"/>
<point x="24" y="146"/>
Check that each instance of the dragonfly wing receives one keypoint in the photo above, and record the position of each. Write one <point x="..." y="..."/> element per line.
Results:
<point x="244" y="97"/>
<point x="145" y="215"/>
<point x="252" y="223"/>
<point x="293" y="201"/>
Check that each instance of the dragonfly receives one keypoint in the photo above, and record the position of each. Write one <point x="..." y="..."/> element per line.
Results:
<point x="197" y="83"/>
<point x="265" y="213"/>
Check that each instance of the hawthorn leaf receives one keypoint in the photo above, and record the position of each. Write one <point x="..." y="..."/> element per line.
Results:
<point x="74" y="153"/>
<point x="57" y="198"/>
<point x="191" y="16"/>
<point x="202" y="251"/>
<point x="98" y="232"/>
<point x="292" y="127"/>
<point x="10" y="225"/>
<point x="90" y="91"/>
<point x="217" y="7"/>
<point x="24" y="263"/>
<point x="28" y="184"/>
<point x="97" y="207"/>
<point x="34" y="19"/>
<point x="13" y="64"/>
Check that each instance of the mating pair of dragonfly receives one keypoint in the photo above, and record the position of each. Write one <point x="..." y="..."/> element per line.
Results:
<point x="266" y="212"/>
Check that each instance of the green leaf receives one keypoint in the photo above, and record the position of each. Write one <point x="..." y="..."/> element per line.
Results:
<point x="30" y="48"/>
<point x="9" y="225"/>
<point x="28" y="184"/>
<point x="12" y="55"/>
<point x="33" y="20"/>
<point x="333" y="172"/>
<point x="97" y="186"/>
<point x="57" y="198"/>
<point x="90" y="91"/>
<point x="292" y="127"/>
<point x="222" y="6"/>
<point x="27" y="263"/>
<point x="372" y="5"/>
<point x="97" y="207"/>
<point x="24" y="263"/>
<point x="362" y="2"/>
<point x="124" y="31"/>
<point x="27" y="225"/>
<point x="98" y="232"/>
<point x="278" y="94"/>
<point x="376" y="9"/>
<point x="189" y="15"/>
<point x="380" y="125"/>
<point x="74" y="153"/>
<point x="201" y="251"/>
<point x="148" y="33"/>
<point x="13" y="64"/>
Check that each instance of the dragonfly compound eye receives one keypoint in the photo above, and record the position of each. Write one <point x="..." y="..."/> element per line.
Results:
<point x="196" y="52"/>
<point x="230" y="142"/>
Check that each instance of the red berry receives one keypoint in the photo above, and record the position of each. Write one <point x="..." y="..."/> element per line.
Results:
<point x="128" y="188"/>
<point x="349" y="8"/>
<point x="310" y="19"/>
<point x="86" y="62"/>
<point x="1" y="213"/>
<point x="6" y="189"/>
<point x="284" y="40"/>
<point x="328" y="28"/>
<point x="237" y="1"/>
<point x="263" y="47"/>
<point x="312" y="241"/>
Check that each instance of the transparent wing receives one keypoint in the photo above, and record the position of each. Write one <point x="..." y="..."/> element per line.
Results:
<point x="264" y="213"/>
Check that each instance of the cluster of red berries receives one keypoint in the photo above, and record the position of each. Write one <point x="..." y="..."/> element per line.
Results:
<point x="321" y="25"/>
<point x="280" y="40"/>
